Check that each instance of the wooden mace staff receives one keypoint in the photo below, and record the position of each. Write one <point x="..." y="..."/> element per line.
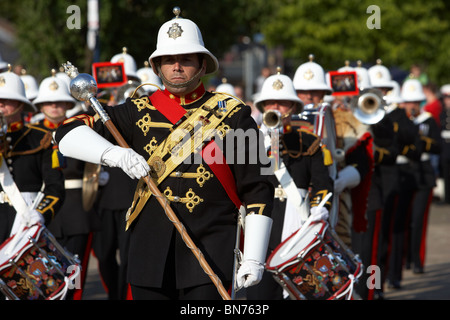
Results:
<point x="84" y="88"/>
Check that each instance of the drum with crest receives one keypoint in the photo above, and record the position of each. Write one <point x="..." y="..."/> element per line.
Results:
<point x="314" y="264"/>
<point x="35" y="266"/>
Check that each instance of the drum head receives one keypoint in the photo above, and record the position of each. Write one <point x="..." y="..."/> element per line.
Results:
<point x="298" y="244"/>
<point x="7" y="253"/>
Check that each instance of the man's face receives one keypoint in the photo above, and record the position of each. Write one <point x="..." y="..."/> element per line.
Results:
<point x="10" y="109"/>
<point x="55" y="111"/>
<point x="412" y="109"/>
<point x="181" y="68"/>
<point x="311" y="96"/>
<point x="285" y="107"/>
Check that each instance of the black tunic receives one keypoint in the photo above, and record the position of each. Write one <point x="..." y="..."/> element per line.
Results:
<point x="212" y="222"/>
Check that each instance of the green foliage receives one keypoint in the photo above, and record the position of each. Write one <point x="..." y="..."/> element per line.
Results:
<point x="412" y="32"/>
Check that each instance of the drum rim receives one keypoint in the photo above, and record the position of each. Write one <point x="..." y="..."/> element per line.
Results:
<point x="24" y="248"/>
<point x="294" y="258"/>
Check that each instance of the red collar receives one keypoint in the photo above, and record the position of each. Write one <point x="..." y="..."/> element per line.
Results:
<point x="15" y="126"/>
<point x="188" y="98"/>
<point x="50" y="125"/>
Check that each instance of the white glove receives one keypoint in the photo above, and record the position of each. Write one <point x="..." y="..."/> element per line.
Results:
<point x="132" y="163"/>
<point x="28" y="219"/>
<point x="34" y="217"/>
<point x="319" y="213"/>
<point x="256" y="234"/>
<point x="347" y="178"/>
<point x="250" y="273"/>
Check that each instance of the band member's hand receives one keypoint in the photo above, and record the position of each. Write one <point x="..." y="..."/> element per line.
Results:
<point x="347" y="178"/>
<point x="319" y="213"/>
<point x="132" y="163"/>
<point x="34" y="217"/>
<point x="250" y="273"/>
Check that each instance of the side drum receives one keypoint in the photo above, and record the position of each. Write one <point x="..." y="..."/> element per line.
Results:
<point x="314" y="264"/>
<point x="38" y="268"/>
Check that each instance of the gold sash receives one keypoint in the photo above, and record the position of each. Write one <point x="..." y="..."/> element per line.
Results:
<point x="177" y="148"/>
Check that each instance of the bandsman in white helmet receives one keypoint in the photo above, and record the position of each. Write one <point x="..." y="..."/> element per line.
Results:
<point x="301" y="153"/>
<point x="160" y="265"/>
<point x="417" y="179"/>
<point x="380" y="77"/>
<point x="72" y="226"/>
<point x="309" y="82"/>
<point x="388" y="158"/>
<point x="27" y="164"/>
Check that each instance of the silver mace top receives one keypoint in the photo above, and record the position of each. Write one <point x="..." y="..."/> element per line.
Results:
<point x="84" y="88"/>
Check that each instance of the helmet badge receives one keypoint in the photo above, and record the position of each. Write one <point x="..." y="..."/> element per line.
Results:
<point x="2" y="81"/>
<point x="175" y="31"/>
<point x="277" y="85"/>
<point x="308" y="75"/>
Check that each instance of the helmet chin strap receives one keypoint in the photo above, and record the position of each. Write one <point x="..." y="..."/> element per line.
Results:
<point x="185" y="84"/>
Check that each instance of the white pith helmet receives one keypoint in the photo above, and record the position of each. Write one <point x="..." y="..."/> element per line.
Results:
<point x="363" y="76"/>
<point x="393" y="96"/>
<point x="30" y="83"/>
<point x="12" y="87"/>
<point x="64" y="76"/>
<point x="379" y="75"/>
<point x="181" y="36"/>
<point x="278" y="87"/>
<point x="346" y="68"/>
<point x="445" y="90"/>
<point x="146" y="75"/>
<point x="225" y="87"/>
<point x="128" y="62"/>
<point x="53" y="89"/>
<point x="311" y="76"/>
<point x="412" y="91"/>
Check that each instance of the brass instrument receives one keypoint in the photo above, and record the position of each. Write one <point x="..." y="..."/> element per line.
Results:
<point x="369" y="106"/>
<point x="132" y="89"/>
<point x="90" y="184"/>
<point x="272" y="119"/>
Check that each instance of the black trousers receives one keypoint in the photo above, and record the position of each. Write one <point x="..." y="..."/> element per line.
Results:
<point x="111" y="238"/>
<point x="169" y="291"/>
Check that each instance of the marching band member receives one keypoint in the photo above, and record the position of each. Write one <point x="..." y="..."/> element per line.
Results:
<point x="301" y="153"/>
<point x="73" y="225"/>
<point x="417" y="171"/>
<point x="27" y="159"/>
<point x="160" y="265"/>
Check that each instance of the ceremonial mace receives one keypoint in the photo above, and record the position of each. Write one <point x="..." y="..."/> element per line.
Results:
<point x="84" y="88"/>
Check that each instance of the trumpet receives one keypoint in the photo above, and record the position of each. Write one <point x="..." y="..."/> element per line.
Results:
<point x="272" y="119"/>
<point x="369" y="106"/>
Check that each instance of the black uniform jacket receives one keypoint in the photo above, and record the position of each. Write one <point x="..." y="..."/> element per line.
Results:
<point x="72" y="218"/>
<point x="303" y="158"/>
<point x="427" y="142"/>
<point x="28" y="153"/>
<point x="211" y="222"/>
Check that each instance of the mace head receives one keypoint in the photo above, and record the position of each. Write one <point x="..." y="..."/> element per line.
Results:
<point x="83" y="85"/>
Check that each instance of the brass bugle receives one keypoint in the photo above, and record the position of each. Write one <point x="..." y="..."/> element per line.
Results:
<point x="272" y="118"/>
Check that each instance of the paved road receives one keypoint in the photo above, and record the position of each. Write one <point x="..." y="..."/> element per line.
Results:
<point x="434" y="284"/>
